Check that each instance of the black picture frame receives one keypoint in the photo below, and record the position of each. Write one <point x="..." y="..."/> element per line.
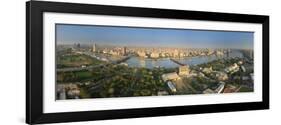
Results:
<point x="34" y="61"/>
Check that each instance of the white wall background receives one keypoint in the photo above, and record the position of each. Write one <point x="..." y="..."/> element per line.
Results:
<point x="12" y="61"/>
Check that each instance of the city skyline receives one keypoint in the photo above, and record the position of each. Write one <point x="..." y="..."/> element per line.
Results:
<point x="152" y="37"/>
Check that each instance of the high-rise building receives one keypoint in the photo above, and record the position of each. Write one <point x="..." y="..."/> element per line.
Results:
<point x="94" y="48"/>
<point x="154" y="55"/>
<point x="141" y="54"/>
<point x="124" y="50"/>
<point x="227" y="53"/>
<point x="251" y="54"/>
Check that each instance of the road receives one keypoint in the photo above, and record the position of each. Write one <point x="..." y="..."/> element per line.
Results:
<point x="80" y="68"/>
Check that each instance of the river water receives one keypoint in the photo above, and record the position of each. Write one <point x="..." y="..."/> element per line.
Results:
<point x="167" y="63"/>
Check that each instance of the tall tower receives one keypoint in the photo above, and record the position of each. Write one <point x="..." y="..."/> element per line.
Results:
<point x="124" y="50"/>
<point x="227" y="52"/>
<point x="94" y="48"/>
<point x="252" y="54"/>
<point x="78" y="45"/>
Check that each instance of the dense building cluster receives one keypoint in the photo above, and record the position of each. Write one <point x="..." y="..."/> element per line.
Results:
<point x="94" y="71"/>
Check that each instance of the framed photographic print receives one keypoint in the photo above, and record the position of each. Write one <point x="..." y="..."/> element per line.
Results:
<point x="95" y="62"/>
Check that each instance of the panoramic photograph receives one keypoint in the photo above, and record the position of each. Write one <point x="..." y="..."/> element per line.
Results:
<point x="95" y="61"/>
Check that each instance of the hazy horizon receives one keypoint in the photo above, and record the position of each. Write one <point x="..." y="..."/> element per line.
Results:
<point x="152" y="37"/>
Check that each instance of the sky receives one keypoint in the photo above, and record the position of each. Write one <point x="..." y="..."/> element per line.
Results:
<point x="152" y="37"/>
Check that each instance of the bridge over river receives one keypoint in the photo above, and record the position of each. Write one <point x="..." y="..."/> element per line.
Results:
<point x="177" y="62"/>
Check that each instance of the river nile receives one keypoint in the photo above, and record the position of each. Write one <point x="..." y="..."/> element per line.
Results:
<point x="167" y="63"/>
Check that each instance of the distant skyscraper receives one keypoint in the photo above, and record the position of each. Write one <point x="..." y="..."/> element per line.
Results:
<point x="124" y="50"/>
<point x="94" y="48"/>
<point x="251" y="54"/>
<point x="77" y="45"/>
<point x="227" y="53"/>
